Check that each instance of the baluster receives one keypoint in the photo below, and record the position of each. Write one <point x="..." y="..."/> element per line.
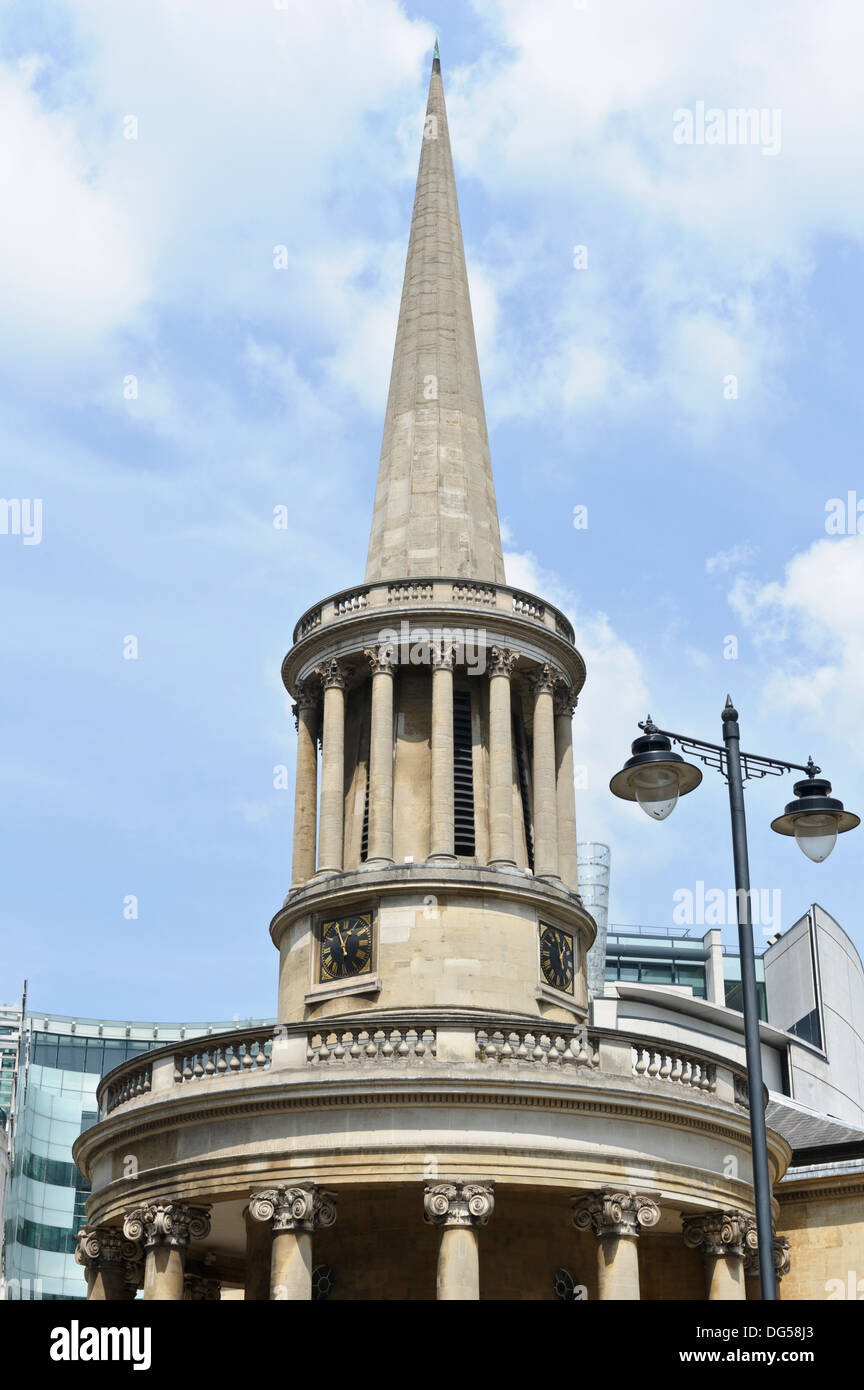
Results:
<point x="209" y="1067"/>
<point x="261" y="1054"/>
<point x="640" y="1065"/>
<point x="187" y="1070"/>
<point x="234" y="1064"/>
<point x="653" y="1065"/>
<point x="354" y="1051"/>
<point x="677" y="1069"/>
<point x="339" y="1050"/>
<point x="221" y="1062"/>
<point x="324" y="1051"/>
<point x="687" y="1072"/>
<point x="666" y="1067"/>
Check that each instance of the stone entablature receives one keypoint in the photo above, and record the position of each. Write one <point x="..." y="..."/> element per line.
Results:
<point x="347" y="624"/>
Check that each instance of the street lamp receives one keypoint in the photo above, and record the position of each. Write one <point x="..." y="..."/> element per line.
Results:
<point x="655" y="776"/>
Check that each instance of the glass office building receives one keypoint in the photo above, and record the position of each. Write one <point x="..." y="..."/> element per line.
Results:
<point x="59" y="1062"/>
<point x="654" y="956"/>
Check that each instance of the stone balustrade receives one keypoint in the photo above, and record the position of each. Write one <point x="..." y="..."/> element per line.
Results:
<point x="677" y="1068"/>
<point x="242" y="1054"/>
<point x="365" y="1046"/>
<point x="446" y="593"/>
<point x="536" y="1047"/>
<point x="436" y="1043"/>
<point x="133" y="1080"/>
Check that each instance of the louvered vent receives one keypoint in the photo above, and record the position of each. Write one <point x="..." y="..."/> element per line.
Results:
<point x="463" y="773"/>
<point x="364" y="834"/>
<point x="522" y="768"/>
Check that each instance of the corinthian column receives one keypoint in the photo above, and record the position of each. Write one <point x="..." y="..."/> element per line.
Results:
<point x="616" y="1218"/>
<point x="113" y="1265"/>
<point x="306" y="711"/>
<point x="380" y="849"/>
<point x="332" y="817"/>
<point x="565" y="704"/>
<point x="165" y="1230"/>
<point x="545" y="793"/>
<point x="293" y="1214"/>
<point x="459" y="1209"/>
<point x="722" y="1236"/>
<point x="442" y="814"/>
<point x="501" y="664"/>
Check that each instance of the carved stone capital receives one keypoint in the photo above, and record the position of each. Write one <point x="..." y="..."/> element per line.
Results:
<point x="167" y="1223"/>
<point x="458" y="1203"/>
<point x="442" y="656"/>
<point x="780" y="1252"/>
<point x="197" y="1288"/>
<point x="720" y="1233"/>
<point x="307" y="694"/>
<point x="544" y="679"/>
<point x="611" y="1213"/>
<point x="302" y="1207"/>
<point x="331" y="675"/>
<point x="382" y="659"/>
<point x="107" y="1245"/>
<point x="565" y="699"/>
<point x="502" y="661"/>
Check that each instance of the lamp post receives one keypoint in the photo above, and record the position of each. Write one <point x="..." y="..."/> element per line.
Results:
<point x="655" y="777"/>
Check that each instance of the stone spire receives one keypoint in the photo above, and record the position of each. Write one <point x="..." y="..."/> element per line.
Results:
<point x="435" y="511"/>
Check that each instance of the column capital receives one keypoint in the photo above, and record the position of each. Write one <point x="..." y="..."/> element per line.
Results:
<point x="302" y="1207"/>
<point x="450" y="1204"/>
<point x="544" y="679"/>
<point x="331" y="675"/>
<point x="720" y="1233"/>
<point x="167" y="1223"/>
<point x="382" y="659"/>
<point x="780" y="1252"/>
<point x="108" y="1245"/>
<point x="198" y="1288"/>
<point x="565" y="699"/>
<point x="502" y="661"/>
<point x="613" y="1213"/>
<point x="442" y="655"/>
<point x="307" y="694"/>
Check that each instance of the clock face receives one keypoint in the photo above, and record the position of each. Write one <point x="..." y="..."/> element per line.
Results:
<point x="556" y="958"/>
<point x="346" y="947"/>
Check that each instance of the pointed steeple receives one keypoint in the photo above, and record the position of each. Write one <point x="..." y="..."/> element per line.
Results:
<point x="435" y="510"/>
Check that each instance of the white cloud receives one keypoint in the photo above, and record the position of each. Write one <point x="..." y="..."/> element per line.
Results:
<point x="812" y="626"/>
<point x="734" y="558"/>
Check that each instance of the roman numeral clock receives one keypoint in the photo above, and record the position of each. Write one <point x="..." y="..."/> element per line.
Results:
<point x="346" y="947"/>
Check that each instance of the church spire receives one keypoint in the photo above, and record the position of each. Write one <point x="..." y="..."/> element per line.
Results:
<point x="435" y="510"/>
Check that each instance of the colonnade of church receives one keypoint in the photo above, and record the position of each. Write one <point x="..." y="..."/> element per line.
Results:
<point x="281" y="1223"/>
<point x="321" y="709"/>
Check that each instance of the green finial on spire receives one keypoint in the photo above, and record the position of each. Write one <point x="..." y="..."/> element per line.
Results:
<point x="436" y="58"/>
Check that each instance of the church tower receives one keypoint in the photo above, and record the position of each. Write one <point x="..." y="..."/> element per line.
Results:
<point x="434" y="1113"/>
<point x="444" y="867"/>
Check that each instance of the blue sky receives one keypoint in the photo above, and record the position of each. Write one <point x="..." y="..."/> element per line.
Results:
<point x="152" y="258"/>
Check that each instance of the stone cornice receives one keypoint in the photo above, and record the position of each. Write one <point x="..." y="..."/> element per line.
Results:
<point x="821" y="1190"/>
<point x="330" y="892"/>
<point x="348" y="636"/>
<point x="455" y="1087"/>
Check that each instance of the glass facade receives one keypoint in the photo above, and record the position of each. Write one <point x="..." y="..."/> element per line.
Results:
<point x="62" y="1061"/>
<point x="657" y="960"/>
<point x="732" y="984"/>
